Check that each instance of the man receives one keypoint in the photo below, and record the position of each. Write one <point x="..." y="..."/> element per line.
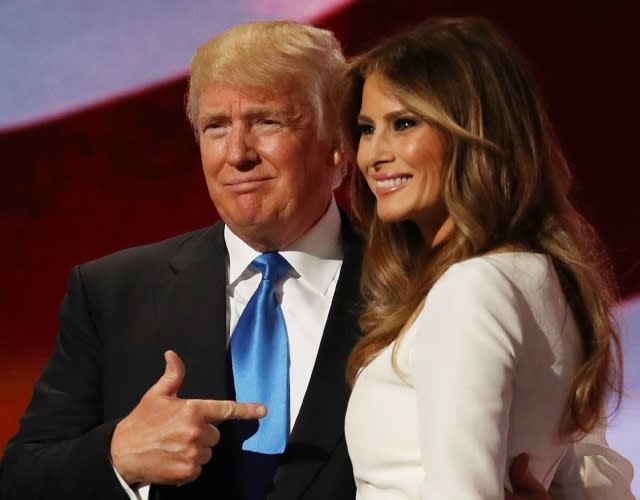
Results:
<point x="107" y="419"/>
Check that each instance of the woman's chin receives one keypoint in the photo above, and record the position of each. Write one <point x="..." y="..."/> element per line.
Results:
<point x="389" y="216"/>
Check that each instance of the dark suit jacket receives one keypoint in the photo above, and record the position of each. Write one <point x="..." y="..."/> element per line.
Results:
<point x="120" y="314"/>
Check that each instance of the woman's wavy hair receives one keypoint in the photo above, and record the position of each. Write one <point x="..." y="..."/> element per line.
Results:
<point x="505" y="183"/>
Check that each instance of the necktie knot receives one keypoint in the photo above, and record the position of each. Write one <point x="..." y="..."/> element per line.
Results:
<point x="272" y="266"/>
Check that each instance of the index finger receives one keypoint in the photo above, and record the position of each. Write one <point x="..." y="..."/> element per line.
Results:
<point x="217" y="411"/>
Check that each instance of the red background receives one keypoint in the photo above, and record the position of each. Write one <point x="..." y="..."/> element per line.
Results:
<point x="127" y="172"/>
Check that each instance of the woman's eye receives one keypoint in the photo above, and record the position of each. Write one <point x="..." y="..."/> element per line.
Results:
<point x="403" y="123"/>
<point x="365" y="129"/>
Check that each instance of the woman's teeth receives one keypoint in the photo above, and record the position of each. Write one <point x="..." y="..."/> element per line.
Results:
<point x="395" y="181"/>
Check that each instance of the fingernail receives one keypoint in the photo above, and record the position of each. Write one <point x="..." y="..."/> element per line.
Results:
<point x="261" y="411"/>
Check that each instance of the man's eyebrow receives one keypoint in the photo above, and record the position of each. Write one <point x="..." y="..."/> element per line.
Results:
<point x="249" y="113"/>
<point x="261" y="111"/>
<point x="212" y="116"/>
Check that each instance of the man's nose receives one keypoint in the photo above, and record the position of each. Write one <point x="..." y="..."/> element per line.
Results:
<point x="241" y="152"/>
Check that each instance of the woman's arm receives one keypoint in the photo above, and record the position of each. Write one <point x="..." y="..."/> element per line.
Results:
<point x="462" y="364"/>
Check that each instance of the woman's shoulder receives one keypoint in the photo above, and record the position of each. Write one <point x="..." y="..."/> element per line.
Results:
<point x="490" y="298"/>
<point x="496" y="284"/>
<point x="526" y="270"/>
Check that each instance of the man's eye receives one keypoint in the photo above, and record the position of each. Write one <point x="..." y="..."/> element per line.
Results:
<point x="212" y="126"/>
<point x="365" y="129"/>
<point x="268" y="123"/>
<point x="403" y="123"/>
<point x="214" y="130"/>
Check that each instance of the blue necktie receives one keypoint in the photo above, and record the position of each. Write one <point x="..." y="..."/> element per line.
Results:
<point x="260" y="358"/>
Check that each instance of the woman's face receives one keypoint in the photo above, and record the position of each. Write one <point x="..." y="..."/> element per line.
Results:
<point x="400" y="156"/>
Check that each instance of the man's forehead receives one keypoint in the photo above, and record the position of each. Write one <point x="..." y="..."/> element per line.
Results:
<point x="277" y="95"/>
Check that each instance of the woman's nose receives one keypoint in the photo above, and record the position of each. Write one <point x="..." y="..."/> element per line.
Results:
<point x="374" y="151"/>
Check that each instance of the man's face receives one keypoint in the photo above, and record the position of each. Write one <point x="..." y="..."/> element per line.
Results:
<point x="268" y="174"/>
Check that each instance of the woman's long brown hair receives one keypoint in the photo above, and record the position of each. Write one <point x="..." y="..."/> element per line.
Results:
<point x="505" y="183"/>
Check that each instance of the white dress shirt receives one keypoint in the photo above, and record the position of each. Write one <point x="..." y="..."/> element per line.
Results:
<point x="305" y="294"/>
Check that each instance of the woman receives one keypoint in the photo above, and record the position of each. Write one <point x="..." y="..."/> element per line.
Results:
<point x="487" y="328"/>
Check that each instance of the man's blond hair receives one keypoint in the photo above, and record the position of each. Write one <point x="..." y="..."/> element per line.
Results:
<point x="274" y="55"/>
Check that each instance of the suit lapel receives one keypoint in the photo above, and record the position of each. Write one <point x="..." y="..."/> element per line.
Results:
<point x="192" y="307"/>
<point x="192" y="312"/>
<point x="319" y="427"/>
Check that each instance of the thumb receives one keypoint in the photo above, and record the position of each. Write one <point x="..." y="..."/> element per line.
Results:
<point x="172" y="378"/>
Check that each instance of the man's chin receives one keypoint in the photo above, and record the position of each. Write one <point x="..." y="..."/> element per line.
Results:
<point x="260" y="233"/>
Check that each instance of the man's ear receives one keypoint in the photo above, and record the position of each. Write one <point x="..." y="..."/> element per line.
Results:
<point x="341" y="165"/>
<point x="338" y="157"/>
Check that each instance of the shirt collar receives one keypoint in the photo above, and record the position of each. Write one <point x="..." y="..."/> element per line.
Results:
<point x="315" y="257"/>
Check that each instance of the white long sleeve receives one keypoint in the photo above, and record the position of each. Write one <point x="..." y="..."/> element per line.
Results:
<point x="487" y="365"/>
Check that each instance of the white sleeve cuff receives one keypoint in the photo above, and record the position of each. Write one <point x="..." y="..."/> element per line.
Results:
<point x="141" y="493"/>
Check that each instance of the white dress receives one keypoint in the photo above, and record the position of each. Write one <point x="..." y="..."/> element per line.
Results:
<point x="487" y="369"/>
